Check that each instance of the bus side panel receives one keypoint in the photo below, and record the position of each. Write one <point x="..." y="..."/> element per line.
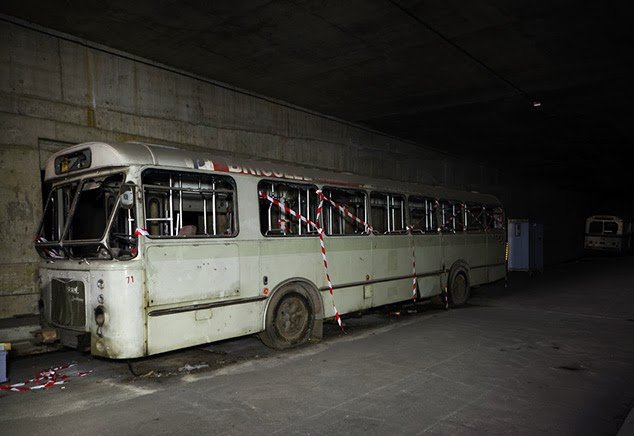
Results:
<point x="349" y="261"/>
<point x="186" y="329"/>
<point x="391" y="257"/>
<point x="285" y="258"/>
<point x="453" y="249"/>
<point x="428" y="260"/>
<point x="496" y="248"/>
<point x="476" y="257"/>
<point x="182" y="273"/>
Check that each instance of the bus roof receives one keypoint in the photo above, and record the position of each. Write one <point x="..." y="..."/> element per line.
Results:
<point x="90" y="156"/>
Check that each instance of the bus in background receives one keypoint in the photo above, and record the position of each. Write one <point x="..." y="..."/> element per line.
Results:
<point x="608" y="234"/>
<point x="147" y="248"/>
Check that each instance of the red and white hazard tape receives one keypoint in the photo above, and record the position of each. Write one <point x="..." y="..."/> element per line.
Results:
<point x="288" y="210"/>
<point x="323" y="255"/>
<point x="320" y="232"/>
<point x="368" y="228"/>
<point x="483" y="225"/>
<point x="345" y="211"/>
<point x="53" y="376"/>
<point x="501" y="238"/>
<point x="409" y="231"/>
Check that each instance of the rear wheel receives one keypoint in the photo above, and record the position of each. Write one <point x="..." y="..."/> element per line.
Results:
<point x="289" y="319"/>
<point x="459" y="290"/>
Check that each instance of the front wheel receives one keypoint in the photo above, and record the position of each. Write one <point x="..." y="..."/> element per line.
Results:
<point x="289" y="319"/>
<point x="459" y="290"/>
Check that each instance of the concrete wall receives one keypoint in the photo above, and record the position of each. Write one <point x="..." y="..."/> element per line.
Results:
<point x="57" y="90"/>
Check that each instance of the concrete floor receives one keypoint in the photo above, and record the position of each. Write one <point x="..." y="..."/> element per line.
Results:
<point x="551" y="354"/>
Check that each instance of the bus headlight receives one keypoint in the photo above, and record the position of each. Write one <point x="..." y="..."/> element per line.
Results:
<point x="100" y="319"/>
<point x="100" y="315"/>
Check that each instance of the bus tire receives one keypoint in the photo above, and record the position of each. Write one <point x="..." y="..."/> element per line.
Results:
<point x="290" y="318"/>
<point x="459" y="289"/>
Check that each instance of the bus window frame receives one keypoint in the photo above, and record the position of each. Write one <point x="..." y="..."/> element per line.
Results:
<point x="431" y="217"/>
<point x="366" y="199"/>
<point x="181" y="171"/>
<point x="309" y="233"/>
<point x="386" y="195"/>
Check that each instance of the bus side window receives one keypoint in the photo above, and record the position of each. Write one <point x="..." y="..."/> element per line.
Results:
<point x="337" y="223"/>
<point x="447" y="216"/>
<point x="300" y="198"/>
<point x="459" y="216"/>
<point x="422" y="214"/>
<point x="475" y="217"/>
<point x="387" y="212"/>
<point x="189" y="204"/>
<point x="494" y="217"/>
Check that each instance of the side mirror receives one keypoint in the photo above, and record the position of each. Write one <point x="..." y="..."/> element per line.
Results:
<point x="127" y="196"/>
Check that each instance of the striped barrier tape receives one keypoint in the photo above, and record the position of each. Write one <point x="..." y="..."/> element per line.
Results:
<point x="344" y="210"/>
<point x="409" y="231"/>
<point x="323" y="255"/>
<point x="484" y="226"/>
<point x="368" y="228"/>
<point x="290" y="211"/>
<point x="320" y="232"/>
<point x="53" y="377"/>
<point x="499" y="237"/>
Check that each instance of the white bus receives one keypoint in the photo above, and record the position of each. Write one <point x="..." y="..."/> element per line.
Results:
<point x="147" y="248"/>
<point x="608" y="234"/>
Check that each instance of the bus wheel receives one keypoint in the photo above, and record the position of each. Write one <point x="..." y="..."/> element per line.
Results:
<point x="459" y="289"/>
<point x="289" y="319"/>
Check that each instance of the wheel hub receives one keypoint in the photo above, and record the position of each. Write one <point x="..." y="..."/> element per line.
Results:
<point x="292" y="318"/>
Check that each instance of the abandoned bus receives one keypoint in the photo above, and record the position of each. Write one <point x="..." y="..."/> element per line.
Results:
<point x="608" y="234"/>
<point x="147" y="248"/>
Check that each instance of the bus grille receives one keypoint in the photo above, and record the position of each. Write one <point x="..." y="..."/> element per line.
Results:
<point x="68" y="308"/>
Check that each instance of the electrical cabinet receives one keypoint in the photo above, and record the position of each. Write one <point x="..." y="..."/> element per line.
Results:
<point x="526" y="245"/>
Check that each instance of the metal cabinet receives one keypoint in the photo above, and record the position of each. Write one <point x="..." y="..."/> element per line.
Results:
<point x="526" y="245"/>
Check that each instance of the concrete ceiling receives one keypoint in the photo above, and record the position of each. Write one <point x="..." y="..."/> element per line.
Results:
<point x="458" y="76"/>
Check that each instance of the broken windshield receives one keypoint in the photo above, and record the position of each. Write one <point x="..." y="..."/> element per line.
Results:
<point x="86" y="219"/>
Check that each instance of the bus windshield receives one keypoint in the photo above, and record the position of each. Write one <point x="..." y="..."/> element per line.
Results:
<point x="88" y="219"/>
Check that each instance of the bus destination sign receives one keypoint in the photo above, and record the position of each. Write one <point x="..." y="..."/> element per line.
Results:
<point x="76" y="161"/>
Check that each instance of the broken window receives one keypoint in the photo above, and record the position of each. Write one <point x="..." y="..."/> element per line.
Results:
<point x="495" y="217"/>
<point x="387" y="212"/>
<point x="56" y="212"/>
<point x="337" y="222"/>
<point x="86" y="220"/>
<point x="451" y="216"/>
<point x="274" y="221"/>
<point x="475" y="217"/>
<point x="189" y="204"/>
<point x="422" y="214"/>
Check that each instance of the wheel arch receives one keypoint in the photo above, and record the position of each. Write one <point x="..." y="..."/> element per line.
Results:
<point x="316" y="302"/>
<point x="459" y="266"/>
